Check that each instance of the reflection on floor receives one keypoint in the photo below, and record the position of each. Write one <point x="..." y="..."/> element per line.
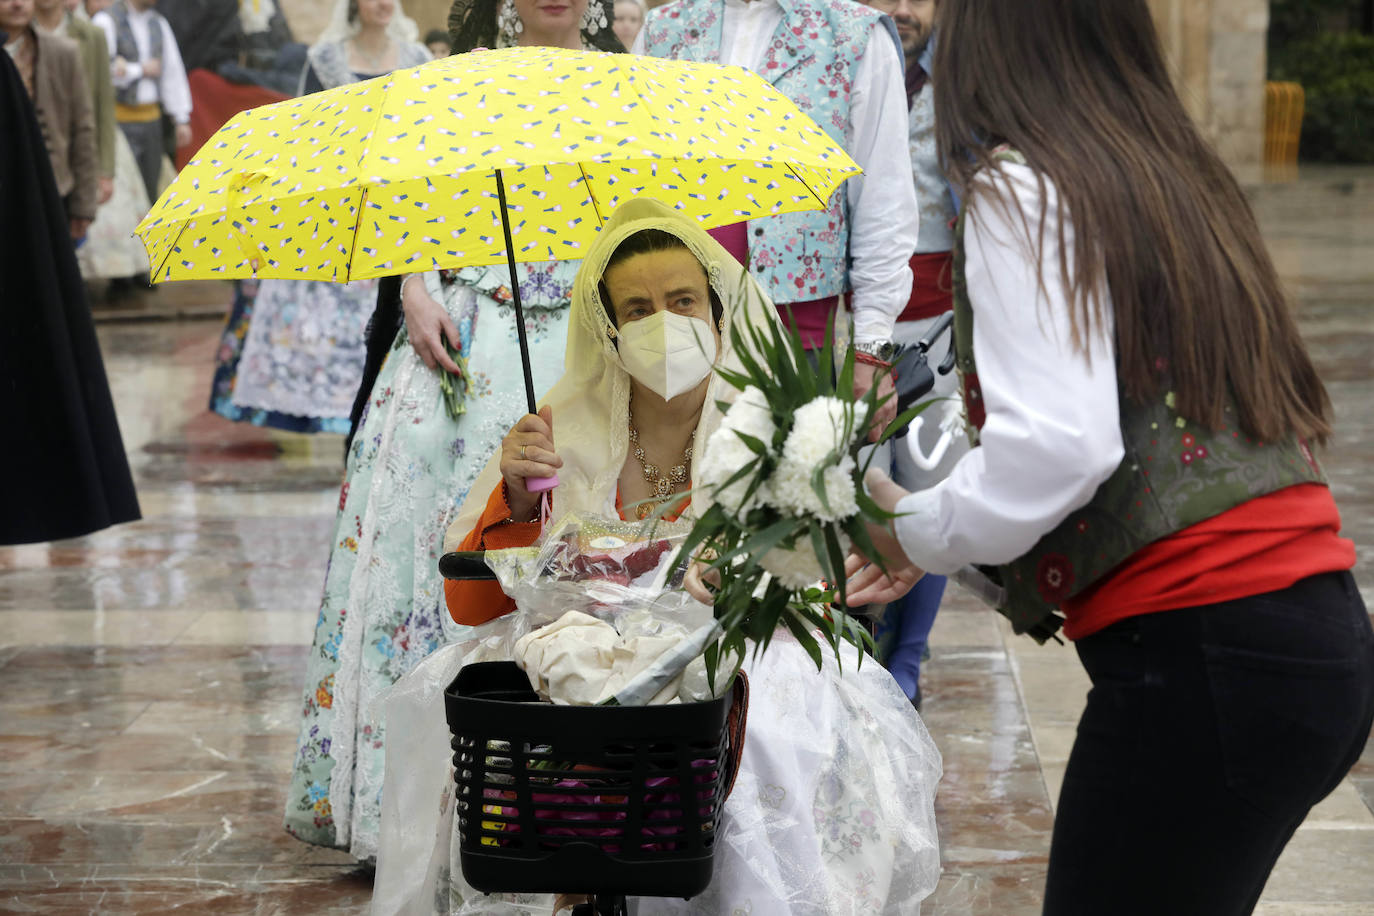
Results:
<point x="149" y="675"/>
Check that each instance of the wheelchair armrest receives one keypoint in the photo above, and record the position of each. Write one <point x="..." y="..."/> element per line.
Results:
<point x="467" y="565"/>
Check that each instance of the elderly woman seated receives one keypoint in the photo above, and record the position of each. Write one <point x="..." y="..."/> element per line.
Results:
<point x="832" y="812"/>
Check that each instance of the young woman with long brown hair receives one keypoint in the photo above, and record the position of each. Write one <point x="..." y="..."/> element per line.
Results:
<point x="1146" y="413"/>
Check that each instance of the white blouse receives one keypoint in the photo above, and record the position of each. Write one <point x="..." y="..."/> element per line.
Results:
<point x="1053" y="432"/>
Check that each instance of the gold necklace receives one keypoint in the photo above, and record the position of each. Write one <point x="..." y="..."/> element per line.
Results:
<point x="663" y="485"/>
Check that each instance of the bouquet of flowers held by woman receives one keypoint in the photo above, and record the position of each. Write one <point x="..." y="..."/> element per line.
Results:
<point x="784" y="481"/>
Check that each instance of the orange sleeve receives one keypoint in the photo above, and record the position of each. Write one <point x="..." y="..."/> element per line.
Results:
<point x="469" y="602"/>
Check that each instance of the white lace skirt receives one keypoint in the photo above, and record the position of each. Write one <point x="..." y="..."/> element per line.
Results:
<point x="111" y="248"/>
<point x="833" y="812"/>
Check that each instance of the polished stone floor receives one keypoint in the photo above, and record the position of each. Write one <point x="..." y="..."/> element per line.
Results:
<point x="149" y="674"/>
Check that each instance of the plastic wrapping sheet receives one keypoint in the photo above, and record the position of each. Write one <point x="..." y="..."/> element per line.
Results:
<point x="606" y="568"/>
<point x="602" y="615"/>
<point x="833" y="812"/>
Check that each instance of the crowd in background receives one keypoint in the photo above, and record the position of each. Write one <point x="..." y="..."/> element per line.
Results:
<point x="125" y="91"/>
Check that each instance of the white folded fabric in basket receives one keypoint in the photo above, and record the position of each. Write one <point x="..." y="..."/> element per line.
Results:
<point x="579" y="660"/>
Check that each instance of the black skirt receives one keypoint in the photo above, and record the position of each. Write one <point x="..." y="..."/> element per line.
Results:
<point x="63" y="471"/>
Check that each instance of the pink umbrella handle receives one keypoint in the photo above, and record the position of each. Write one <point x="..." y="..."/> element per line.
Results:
<point x="540" y="484"/>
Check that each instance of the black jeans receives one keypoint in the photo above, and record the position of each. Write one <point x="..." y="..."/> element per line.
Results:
<point x="1208" y="735"/>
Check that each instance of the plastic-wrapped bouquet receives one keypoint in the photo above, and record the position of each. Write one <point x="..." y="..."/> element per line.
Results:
<point x="784" y="479"/>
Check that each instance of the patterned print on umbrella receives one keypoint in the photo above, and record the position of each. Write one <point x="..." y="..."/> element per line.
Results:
<point x="397" y="173"/>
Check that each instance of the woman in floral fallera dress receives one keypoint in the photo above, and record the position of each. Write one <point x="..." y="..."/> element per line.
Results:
<point x="409" y="468"/>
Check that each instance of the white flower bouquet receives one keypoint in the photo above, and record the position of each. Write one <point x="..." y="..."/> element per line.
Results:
<point x="784" y="484"/>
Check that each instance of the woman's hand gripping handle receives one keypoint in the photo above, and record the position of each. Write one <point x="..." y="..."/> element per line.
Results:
<point x="528" y="460"/>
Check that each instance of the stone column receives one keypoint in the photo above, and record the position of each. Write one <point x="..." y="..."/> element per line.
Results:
<point x="1216" y="51"/>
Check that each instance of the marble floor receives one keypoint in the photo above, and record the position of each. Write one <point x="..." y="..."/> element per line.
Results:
<point x="149" y="674"/>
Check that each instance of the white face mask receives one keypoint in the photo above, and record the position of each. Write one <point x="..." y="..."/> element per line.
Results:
<point x="668" y="353"/>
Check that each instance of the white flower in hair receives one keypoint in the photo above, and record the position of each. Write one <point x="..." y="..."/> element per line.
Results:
<point x="726" y="452"/>
<point x="822" y="432"/>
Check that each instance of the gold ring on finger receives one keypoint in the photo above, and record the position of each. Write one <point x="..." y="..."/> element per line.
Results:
<point x="522" y="453"/>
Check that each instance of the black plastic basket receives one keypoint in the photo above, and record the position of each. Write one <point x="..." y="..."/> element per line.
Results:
<point x="584" y="799"/>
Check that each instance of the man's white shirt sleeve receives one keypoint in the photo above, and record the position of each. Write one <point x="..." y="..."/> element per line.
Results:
<point x="1053" y="432"/>
<point x="883" y="213"/>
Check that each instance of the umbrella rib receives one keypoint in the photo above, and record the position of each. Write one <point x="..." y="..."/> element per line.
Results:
<point x="362" y="157"/>
<point x="357" y="224"/>
<point x="823" y="203"/>
<point x="170" y="249"/>
<point x="586" y="183"/>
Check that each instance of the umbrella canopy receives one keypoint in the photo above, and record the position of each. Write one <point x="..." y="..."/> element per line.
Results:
<point x="398" y="173"/>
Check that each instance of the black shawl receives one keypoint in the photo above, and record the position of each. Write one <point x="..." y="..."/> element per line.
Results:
<point x="63" y="471"/>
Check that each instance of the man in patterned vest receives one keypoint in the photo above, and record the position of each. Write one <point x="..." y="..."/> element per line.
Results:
<point x="149" y="81"/>
<point x="840" y="62"/>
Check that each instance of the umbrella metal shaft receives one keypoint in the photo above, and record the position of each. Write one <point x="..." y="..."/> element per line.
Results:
<point x="515" y="295"/>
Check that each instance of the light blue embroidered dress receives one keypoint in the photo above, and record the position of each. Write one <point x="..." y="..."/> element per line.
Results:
<point x="408" y="471"/>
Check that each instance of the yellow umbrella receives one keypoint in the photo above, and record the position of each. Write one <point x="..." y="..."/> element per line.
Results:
<point x="509" y="155"/>
<point x="398" y="173"/>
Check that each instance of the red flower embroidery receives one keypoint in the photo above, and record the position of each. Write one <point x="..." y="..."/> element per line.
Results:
<point x="973" y="401"/>
<point x="1054" y="576"/>
<point x="1082" y="526"/>
<point x="1200" y="451"/>
<point x="1186" y="457"/>
<point x="1307" y="456"/>
<point x="1188" y="440"/>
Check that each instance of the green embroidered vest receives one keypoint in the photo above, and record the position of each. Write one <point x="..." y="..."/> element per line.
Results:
<point x="1174" y="474"/>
